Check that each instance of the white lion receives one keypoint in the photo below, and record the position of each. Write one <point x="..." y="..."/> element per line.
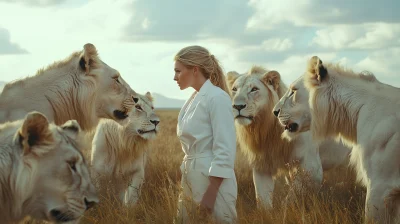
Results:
<point x="81" y="87"/>
<point x="42" y="171"/>
<point x="364" y="113"/>
<point x="119" y="152"/>
<point x="259" y="133"/>
<point x="293" y="112"/>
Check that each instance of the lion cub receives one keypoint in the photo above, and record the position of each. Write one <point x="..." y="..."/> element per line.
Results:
<point x="119" y="152"/>
<point x="42" y="171"/>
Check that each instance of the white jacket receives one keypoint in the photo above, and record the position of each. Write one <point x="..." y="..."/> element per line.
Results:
<point x="207" y="134"/>
<point x="206" y="129"/>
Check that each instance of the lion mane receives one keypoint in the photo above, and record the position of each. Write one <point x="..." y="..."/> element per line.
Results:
<point x="119" y="151"/>
<point x="261" y="140"/>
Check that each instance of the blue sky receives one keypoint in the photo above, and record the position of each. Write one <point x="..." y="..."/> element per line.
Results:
<point x="140" y="37"/>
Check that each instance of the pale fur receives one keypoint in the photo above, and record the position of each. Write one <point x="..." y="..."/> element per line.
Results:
<point x="84" y="90"/>
<point x="293" y="108"/>
<point x="36" y="175"/>
<point x="365" y="114"/>
<point x="119" y="152"/>
<point x="260" y="136"/>
<point x="264" y="130"/>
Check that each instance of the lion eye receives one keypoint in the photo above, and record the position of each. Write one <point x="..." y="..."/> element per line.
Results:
<point x="254" y="89"/>
<point x="72" y="164"/>
<point x="138" y="107"/>
<point x="234" y="89"/>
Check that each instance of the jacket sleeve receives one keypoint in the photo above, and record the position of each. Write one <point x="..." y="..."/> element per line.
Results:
<point x="224" y="136"/>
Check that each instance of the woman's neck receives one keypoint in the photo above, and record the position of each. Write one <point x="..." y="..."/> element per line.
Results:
<point x="199" y="82"/>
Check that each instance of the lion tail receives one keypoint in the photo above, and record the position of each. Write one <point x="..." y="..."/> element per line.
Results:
<point x="392" y="200"/>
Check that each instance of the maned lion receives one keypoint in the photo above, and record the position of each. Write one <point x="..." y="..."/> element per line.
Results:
<point x="42" y="171"/>
<point x="259" y="133"/>
<point x="119" y="152"/>
<point x="364" y="113"/>
<point x="293" y="112"/>
<point x="81" y="87"/>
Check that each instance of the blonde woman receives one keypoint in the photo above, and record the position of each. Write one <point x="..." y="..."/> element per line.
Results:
<point x="207" y="134"/>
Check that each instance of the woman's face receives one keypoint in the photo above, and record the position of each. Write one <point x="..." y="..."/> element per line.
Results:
<point x="183" y="76"/>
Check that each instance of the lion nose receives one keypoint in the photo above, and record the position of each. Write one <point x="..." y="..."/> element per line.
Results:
<point x="155" y="122"/>
<point x="276" y="112"/>
<point x="239" y="107"/>
<point x="89" y="203"/>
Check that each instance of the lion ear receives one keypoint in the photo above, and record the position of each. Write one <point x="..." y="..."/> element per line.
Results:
<point x="231" y="78"/>
<point x="35" y="132"/>
<point x="272" y="78"/>
<point x="316" y="70"/>
<point x="88" y="58"/>
<point x="72" y="128"/>
<point x="149" y="96"/>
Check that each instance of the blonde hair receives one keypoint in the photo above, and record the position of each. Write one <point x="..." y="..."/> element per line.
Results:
<point x="199" y="56"/>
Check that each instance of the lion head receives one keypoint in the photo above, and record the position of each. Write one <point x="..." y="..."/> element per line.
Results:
<point x="254" y="94"/>
<point x="332" y="92"/>
<point x="142" y="118"/>
<point x="81" y="87"/>
<point x="293" y="110"/>
<point x="251" y="93"/>
<point x="48" y="175"/>
<point x="113" y="96"/>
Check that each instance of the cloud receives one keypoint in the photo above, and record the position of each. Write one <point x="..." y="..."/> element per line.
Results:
<point x="273" y="13"/>
<point x="383" y="63"/>
<point x="6" y="46"/>
<point x="36" y="2"/>
<point x="363" y="36"/>
<point x="277" y="45"/>
<point x="95" y="21"/>
<point x="181" y="20"/>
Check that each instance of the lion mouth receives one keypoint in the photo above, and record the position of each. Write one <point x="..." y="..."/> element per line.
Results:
<point x="292" y="127"/>
<point x="141" y="132"/>
<point x="246" y="117"/>
<point x="120" y="115"/>
<point x="61" y="216"/>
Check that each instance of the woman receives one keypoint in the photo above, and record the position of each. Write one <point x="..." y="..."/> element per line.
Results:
<point x="207" y="134"/>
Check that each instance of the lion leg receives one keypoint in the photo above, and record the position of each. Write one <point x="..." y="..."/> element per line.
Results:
<point x="264" y="187"/>
<point x="133" y="191"/>
<point x="100" y="168"/>
<point x="310" y="172"/>
<point x="375" y="209"/>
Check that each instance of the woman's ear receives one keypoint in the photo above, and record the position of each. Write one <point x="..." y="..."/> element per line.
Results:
<point x="195" y="70"/>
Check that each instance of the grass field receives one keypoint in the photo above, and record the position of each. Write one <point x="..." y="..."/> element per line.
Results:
<point x="339" y="200"/>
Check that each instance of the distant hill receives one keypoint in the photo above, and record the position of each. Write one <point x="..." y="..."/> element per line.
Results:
<point x="161" y="101"/>
<point x="2" y="84"/>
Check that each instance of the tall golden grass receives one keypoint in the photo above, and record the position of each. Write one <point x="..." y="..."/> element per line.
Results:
<point x="339" y="199"/>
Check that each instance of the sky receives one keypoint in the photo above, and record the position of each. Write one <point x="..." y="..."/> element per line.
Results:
<point x="139" y="38"/>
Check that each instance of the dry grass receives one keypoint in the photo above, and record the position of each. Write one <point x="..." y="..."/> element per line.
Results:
<point x="339" y="200"/>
